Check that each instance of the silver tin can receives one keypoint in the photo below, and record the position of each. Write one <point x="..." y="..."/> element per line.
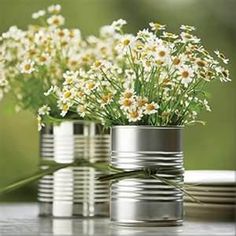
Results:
<point x="147" y="201"/>
<point x="74" y="191"/>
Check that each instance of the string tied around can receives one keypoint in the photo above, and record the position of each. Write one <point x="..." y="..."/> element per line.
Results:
<point x="147" y="172"/>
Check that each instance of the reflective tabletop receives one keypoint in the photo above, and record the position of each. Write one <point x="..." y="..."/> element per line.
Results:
<point x="22" y="219"/>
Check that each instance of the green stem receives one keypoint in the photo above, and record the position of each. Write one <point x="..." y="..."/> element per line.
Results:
<point x="32" y="178"/>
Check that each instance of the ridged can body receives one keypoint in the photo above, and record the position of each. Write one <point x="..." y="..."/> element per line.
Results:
<point x="147" y="201"/>
<point x="74" y="191"/>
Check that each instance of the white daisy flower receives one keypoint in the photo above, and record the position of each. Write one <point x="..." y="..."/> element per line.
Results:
<point x="106" y="99"/>
<point x="169" y="35"/>
<point x="187" y="37"/>
<point x="145" y="34"/>
<point x="134" y="115"/>
<point x="128" y="93"/>
<point x="118" y="24"/>
<point x="151" y="108"/>
<point x="221" y="56"/>
<point x="52" y="89"/>
<point x="40" y="124"/>
<point x="187" y="28"/>
<point x="141" y="102"/>
<point x="56" y="20"/>
<point x="162" y="54"/>
<point x="186" y="74"/>
<point x="157" y="26"/>
<point x="127" y="41"/>
<point x="44" y="110"/>
<point x="64" y="107"/>
<point x="54" y="9"/>
<point x="38" y="14"/>
<point x="223" y="74"/>
<point x="81" y="109"/>
<point x="90" y="86"/>
<point x="107" y="31"/>
<point x="205" y="103"/>
<point x="66" y="96"/>
<point x="70" y="77"/>
<point x="44" y="59"/>
<point x="14" y="33"/>
<point x="147" y="64"/>
<point x="27" y="67"/>
<point x="126" y="103"/>
<point x="75" y="34"/>
<point x="179" y="61"/>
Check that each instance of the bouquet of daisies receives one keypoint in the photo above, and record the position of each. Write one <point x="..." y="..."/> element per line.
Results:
<point x="153" y="78"/>
<point x="33" y="60"/>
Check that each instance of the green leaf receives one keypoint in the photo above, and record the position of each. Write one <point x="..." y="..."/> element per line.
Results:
<point x="29" y="179"/>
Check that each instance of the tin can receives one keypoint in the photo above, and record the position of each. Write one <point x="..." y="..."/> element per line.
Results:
<point x="147" y="201"/>
<point x="74" y="191"/>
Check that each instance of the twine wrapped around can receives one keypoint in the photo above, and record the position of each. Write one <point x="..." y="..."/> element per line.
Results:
<point x="74" y="191"/>
<point x="147" y="201"/>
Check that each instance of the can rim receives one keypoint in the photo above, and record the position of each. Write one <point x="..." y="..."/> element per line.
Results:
<point x="147" y="127"/>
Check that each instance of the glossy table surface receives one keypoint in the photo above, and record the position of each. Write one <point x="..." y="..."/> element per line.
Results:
<point x="22" y="219"/>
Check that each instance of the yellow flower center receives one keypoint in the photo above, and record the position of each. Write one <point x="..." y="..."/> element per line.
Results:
<point x="98" y="63"/>
<point x="32" y="52"/>
<point x="80" y="94"/>
<point x="90" y="85"/>
<point x="188" y="36"/>
<point x="133" y="114"/>
<point x="162" y="53"/>
<point x="176" y="61"/>
<point x="43" y="59"/>
<point x="126" y="42"/>
<point x="85" y="59"/>
<point x="64" y="43"/>
<point x="106" y="98"/>
<point x="201" y="63"/>
<point x="56" y="21"/>
<point x="103" y="50"/>
<point x="67" y="94"/>
<point x="69" y="81"/>
<point x="185" y="74"/>
<point x="73" y="63"/>
<point x="142" y="102"/>
<point x="27" y="67"/>
<point x="139" y="46"/>
<point x="150" y="107"/>
<point x="127" y="102"/>
<point x="61" y="33"/>
<point x="65" y="107"/>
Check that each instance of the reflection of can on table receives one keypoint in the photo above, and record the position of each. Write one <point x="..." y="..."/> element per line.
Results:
<point x="74" y="191"/>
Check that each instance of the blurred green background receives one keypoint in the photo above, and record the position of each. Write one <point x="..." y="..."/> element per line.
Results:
<point x="206" y="147"/>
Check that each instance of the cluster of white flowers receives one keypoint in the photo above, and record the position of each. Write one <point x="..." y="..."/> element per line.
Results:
<point x="33" y="60"/>
<point x="151" y="78"/>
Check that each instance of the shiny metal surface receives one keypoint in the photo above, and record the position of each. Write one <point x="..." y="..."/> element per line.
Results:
<point x="74" y="191"/>
<point x="147" y="201"/>
<point x="21" y="220"/>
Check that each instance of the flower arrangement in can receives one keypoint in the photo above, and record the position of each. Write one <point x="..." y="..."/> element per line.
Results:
<point x="34" y="59"/>
<point x="156" y="78"/>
